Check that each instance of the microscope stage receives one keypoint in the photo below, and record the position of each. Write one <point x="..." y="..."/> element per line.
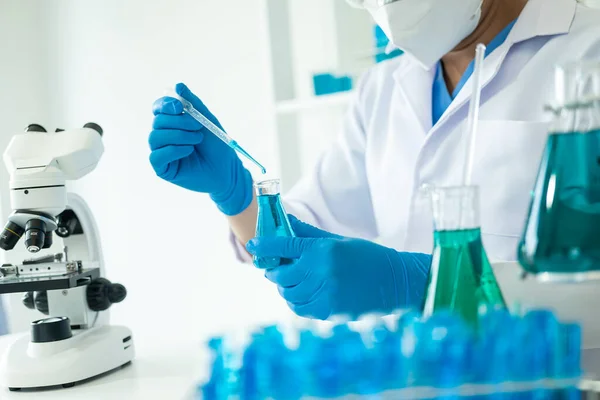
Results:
<point x="23" y="283"/>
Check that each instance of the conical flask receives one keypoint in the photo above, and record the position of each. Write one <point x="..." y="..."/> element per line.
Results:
<point x="561" y="239"/>
<point x="461" y="279"/>
<point x="272" y="220"/>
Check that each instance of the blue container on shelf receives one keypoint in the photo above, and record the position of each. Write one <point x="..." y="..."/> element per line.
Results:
<point x="381" y="43"/>
<point x="322" y="84"/>
<point x="328" y="84"/>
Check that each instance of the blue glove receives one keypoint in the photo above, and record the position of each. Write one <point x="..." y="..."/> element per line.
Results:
<point x="333" y="275"/>
<point x="188" y="155"/>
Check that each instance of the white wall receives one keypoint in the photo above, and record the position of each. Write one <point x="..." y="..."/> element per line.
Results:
<point x="23" y="76"/>
<point x="24" y="98"/>
<point x="109" y="60"/>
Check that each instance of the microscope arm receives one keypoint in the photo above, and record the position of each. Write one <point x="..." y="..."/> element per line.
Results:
<point x="85" y="247"/>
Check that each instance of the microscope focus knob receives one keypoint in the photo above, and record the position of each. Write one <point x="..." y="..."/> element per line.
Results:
<point x="117" y="293"/>
<point x="28" y="300"/>
<point x="101" y="294"/>
<point x="50" y="329"/>
<point x="41" y="302"/>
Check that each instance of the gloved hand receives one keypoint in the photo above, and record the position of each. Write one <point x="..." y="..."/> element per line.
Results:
<point x="333" y="275"/>
<point x="188" y="155"/>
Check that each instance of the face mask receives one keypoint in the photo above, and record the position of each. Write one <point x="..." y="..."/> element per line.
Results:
<point x="424" y="29"/>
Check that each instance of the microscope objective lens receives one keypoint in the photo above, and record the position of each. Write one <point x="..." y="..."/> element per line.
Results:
<point x="10" y="235"/>
<point x="35" y="235"/>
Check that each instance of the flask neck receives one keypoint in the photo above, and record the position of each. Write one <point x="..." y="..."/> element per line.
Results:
<point x="456" y="208"/>
<point x="577" y="105"/>
<point x="582" y="118"/>
<point x="267" y="188"/>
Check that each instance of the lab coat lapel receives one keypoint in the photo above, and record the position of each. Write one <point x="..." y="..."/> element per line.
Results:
<point x="491" y="66"/>
<point x="415" y="86"/>
<point x="539" y="18"/>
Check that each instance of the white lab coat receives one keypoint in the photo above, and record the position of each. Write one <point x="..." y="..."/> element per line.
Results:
<point x="368" y="183"/>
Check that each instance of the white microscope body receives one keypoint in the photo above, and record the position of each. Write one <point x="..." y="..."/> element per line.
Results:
<point x="74" y="342"/>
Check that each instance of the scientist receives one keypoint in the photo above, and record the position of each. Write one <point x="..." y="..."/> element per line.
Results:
<point x="403" y="132"/>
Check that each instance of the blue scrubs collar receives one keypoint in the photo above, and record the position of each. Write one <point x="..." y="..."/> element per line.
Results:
<point x="441" y="97"/>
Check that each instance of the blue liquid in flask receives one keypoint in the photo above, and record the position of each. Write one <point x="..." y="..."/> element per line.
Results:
<point x="561" y="240"/>
<point x="563" y="230"/>
<point x="272" y="220"/>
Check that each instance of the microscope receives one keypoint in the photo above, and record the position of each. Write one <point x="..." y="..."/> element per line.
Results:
<point x="73" y="341"/>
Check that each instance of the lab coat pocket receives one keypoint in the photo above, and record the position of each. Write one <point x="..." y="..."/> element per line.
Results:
<point x="506" y="162"/>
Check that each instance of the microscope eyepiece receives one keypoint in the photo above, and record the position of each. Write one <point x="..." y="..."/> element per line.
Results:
<point x="94" y="126"/>
<point x="35" y="128"/>
<point x="35" y="235"/>
<point x="10" y="236"/>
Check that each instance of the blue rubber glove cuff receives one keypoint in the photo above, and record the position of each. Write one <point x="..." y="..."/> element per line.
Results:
<point x="239" y="196"/>
<point x="409" y="291"/>
<point x="333" y="275"/>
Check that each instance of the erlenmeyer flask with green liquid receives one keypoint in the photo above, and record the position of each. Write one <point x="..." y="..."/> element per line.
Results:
<point x="461" y="279"/>
<point x="561" y="239"/>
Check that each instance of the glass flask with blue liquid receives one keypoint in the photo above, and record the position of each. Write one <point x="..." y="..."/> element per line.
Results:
<point x="272" y="220"/>
<point x="561" y="239"/>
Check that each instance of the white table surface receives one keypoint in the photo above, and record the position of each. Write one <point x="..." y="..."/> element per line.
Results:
<point x="170" y="368"/>
<point x="166" y="372"/>
<point x="161" y="370"/>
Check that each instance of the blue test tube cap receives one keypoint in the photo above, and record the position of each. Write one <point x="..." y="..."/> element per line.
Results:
<point x="455" y="361"/>
<point x="379" y="359"/>
<point x="215" y="343"/>
<point x="499" y="348"/>
<point x="493" y="320"/>
<point x="353" y="356"/>
<point x="447" y="319"/>
<point x="438" y="340"/>
<point x="534" y="345"/>
<point x="571" y="344"/>
<point x="407" y="319"/>
<point x="287" y="380"/>
<point x="546" y="327"/>
<point x="326" y="370"/>
<point x="208" y="391"/>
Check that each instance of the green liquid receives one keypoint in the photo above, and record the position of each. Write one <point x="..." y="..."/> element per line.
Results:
<point x="461" y="278"/>
<point x="562" y="234"/>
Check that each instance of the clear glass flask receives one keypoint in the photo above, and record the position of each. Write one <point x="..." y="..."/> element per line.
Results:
<point x="461" y="279"/>
<point x="272" y="220"/>
<point x="561" y="239"/>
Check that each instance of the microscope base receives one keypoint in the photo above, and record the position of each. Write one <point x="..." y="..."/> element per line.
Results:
<point x="87" y="354"/>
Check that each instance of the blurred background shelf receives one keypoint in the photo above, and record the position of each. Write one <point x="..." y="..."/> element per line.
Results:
<point x="314" y="46"/>
<point x="314" y="103"/>
<point x="308" y="38"/>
